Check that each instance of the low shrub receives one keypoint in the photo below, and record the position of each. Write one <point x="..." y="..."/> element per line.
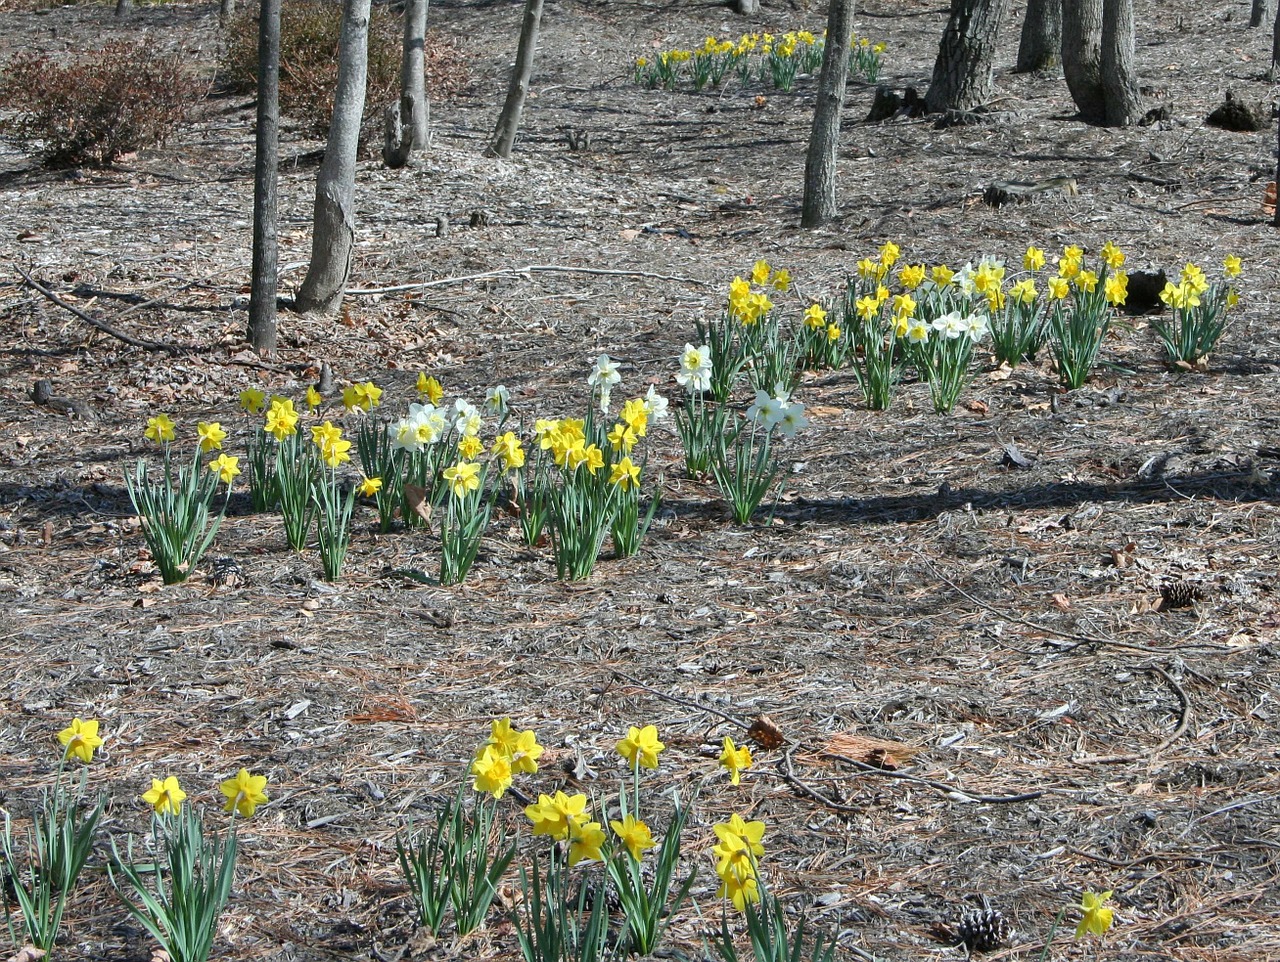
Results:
<point x="105" y="104"/>
<point x="309" y="33"/>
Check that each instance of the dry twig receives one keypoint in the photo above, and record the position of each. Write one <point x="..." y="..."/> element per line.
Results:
<point x="518" y="271"/>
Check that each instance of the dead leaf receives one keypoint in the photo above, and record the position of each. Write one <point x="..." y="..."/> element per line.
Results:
<point x="824" y="410"/>
<point x="977" y="407"/>
<point x="1269" y="198"/>
<point x="629" y="234"/>
<point x="416" y="498"/>
<point x="1002" y="373"/>
<point x="28" y="953"/>
<point x="765" y="733"/>
<point x="1061" y="601"/>
<point x="878" y="752"/>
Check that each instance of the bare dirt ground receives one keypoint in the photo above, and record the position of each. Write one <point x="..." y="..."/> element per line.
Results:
<point x="910" y="587"/>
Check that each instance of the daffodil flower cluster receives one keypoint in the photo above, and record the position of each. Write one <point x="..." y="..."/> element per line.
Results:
<point x="771" y="58"/>
<point x="1200" y="310"/>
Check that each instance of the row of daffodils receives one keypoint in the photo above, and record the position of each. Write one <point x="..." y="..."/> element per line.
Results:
<point x="577" y="482"/>
<point x="590" y="894"/>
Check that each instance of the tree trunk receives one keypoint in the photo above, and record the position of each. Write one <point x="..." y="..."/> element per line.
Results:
<point x="746" y="7"/>
<point x="1040" y="47"/>
<point x="504" y="136"/>
<point x="1082" y="57"/>
<point x="1119" y="79"/>
<point x="824" y="139"/>
<point x="1263" y="11"/>
<point x="226" y="10"/>
<point x="1275" y="47"/>
<point x="266" y="161"/>
<point x="124" y="8"/>
<point x="334" y="234"/>
<point x="962" y="73"/>
<point x="407" y="120"/>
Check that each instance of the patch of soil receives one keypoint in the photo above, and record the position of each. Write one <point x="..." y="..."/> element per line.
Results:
<point x="1064" y="728"/>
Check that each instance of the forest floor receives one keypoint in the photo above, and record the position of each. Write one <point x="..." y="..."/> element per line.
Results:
<point x="1002" y="625"/>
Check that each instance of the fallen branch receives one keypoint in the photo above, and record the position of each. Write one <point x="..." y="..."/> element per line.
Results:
<point x="517" y="272"/>
<point x="1184" y="719"/>
<point x="98" y="324"/>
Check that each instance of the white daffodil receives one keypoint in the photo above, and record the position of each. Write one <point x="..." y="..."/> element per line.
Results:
<point x="695" y="369"/>
<point x="766" y="410"/>
<point x="792" y="419"/>
<point x="497" y="400"/>
<point x="655" y="405"/>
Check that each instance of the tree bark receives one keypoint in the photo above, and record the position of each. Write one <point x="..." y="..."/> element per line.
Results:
<point x="1040" y="47"/>
<point x="333" y="237"/>
<point x="746" y="7"/>
<point x="1275" y="47"/>
<point x="226" y="10"/>
<point x="1082" y="57"/>
<point x="1119" y="79"/>
<point x="824" y="139"/>
<point x="407" y="120"/>
<point x="266" y="162"/>
<point x="1262" y="12"/>
<point x="962" y="73"/>
<point x="504" y="136"/>
<point x="124" y="8"/>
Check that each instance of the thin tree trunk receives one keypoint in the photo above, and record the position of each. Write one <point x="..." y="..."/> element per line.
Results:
<point x="1040" y="47"/>
<point x="1082" y="57"/>
<point x="1275" y="59"/>
<point x="746" y="7"/>
<point x="334" y="234"/>
<point x="962" y="73"/>
<point x="226" y="10"/>
<point x="824" y="139"/>
<point x="262" y="296"/>
<point x="504" y="136"/>
<point x="1119" y="79"/>
<point x="407" y="120"/>
<point x="1275" y="47"/>
<point x="1262" y="12"/>
<point x="124" y="8"/>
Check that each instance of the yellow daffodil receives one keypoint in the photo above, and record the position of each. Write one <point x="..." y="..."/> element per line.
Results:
<point x="244" y="793"/>
<point x="904" y="305"/>
<point x="867" y="307"/>
<point x="635" y="415"/>
<point x="491" y="772"/>
<point x="165" y="797"/>
<point x="735" y="760"/>
<point x="159" y="429"/>
<point x="1232" y="297"/>
<point x="1097" y="916"/>
<point x="470" y="447"/>
<point x="1112" y="256"/>
<point x="585" y="842"/>
<point x="430" y="389"/>
<point x="210" y="435"/>
<point x="867" y="268"/>
<point x="594" y="458"/>
<point x="760" y="273"/>
<point x="1231" y="266"/>
<point x="1033" y="259"/>
<point x="833" y="332"/>
<point x="508" y="449"/>
<point x="1193" y="277"/>
<point x="227" y="466"/>
<point x="314" y="398"/>
<point x="282" y="419"/>
<point x="911" y="276"/>
<point x="815" y="317"/>
<point x="322" y="435"/>
<point x="555" y="815"/>
<point x="1023" y="291"/>
<point x="253" y="401"/>
<point x="463" y="478"/>
<point x="634" y="835"/>
<point x="782" y="280"/>
<point x="750" y="833"/>
<point x="622" y="438"/>
<point x="942" y="275"/>
<point x="80" y="739"/>
<point x="625" y="475"/>
<point x="1087" y="281"/>
<point x="1116" y="288"/>
<point x="370" y="395"/>
<point x="370" y="486"/>
<point x="889" y="254"/>
<point x="336" y="452"/>
<point x="641" y="747"/>
<point x="1058" y="287"/>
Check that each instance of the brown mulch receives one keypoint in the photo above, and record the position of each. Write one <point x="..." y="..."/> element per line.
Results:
<point x="980" y="685"/>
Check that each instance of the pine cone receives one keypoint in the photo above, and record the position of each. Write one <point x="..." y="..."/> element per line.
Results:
<point x="227" y="573"/>
<point x="984" y="930"/>
<point x="1178" y="594"/>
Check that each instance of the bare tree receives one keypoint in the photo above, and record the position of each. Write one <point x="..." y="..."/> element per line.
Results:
<point x="1262" y="12"/>
<point x="962" y="73"/>
<point x="124" y="8"/>
<point x="746" y="7"/>
<point x="262" y="296"/>
<point x="1119" y="79"/>
<point x="504" y="136"/>
<point x="333" y="236"/>
<point x="406" y="120"/>
<point x="824" y="139"/>
<point x="1275" y="47"/>
<point x="1082" y="57"/>
<point x="1040" y="47"/>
